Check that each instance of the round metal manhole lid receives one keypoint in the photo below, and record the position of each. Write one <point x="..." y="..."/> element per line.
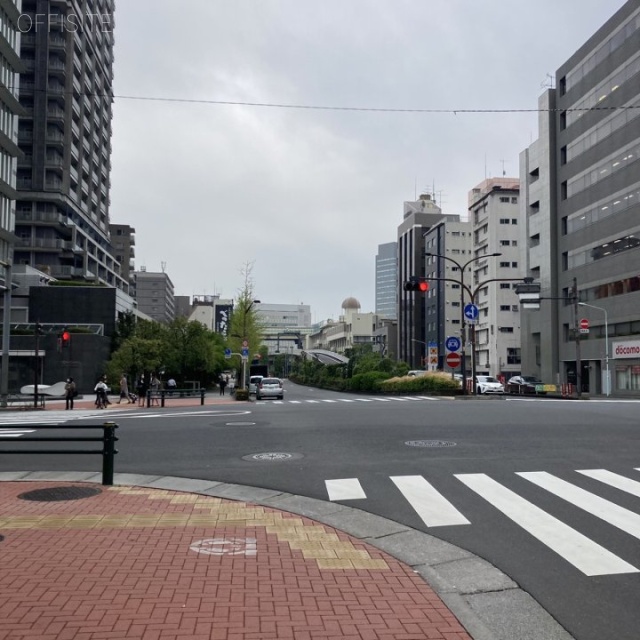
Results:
<point x="56" y="494"/>
<point x="429" y="443"/>
<point x="274" y="456"/>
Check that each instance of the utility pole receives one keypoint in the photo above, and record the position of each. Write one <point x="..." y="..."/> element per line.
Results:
<point x="577" y="336"/>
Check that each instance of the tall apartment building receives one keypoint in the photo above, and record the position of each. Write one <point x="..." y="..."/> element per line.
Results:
<point x="494" y="212"/>
<point x="451" y="238"/>
<point x="10" y="66"/>
<point x="387" y="280"/>
<point x="581" y="204"/>
<point x="419" y="217"/>
<point x="123" y="241"/>
<point x="155" y="295"/>
<point x="62" y="211"/>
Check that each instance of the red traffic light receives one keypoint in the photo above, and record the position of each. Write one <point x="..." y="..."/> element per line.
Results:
<point x="415" y="284"/>
<point x="66" y="336"/>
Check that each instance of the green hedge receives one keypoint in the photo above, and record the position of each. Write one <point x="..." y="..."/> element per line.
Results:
<point x="436" y="382"/>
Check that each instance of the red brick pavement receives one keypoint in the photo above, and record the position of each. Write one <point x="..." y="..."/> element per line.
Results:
<point x="150" y="564"/>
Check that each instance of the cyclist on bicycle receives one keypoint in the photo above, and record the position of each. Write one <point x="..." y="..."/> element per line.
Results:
<point x="101" y="389"/>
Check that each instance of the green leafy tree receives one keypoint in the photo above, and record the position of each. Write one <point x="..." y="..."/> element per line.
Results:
<point x="245" y="324"/>
<point x="135" y="356"/>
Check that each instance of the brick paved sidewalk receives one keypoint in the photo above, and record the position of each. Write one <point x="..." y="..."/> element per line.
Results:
<point x="152" y="564"/>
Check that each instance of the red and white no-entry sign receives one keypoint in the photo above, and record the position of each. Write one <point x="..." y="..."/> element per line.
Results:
<point x="453" y="360"/>
<point x="584" y="323"/>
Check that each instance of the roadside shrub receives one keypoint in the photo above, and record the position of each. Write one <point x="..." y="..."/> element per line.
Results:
<point x="436" y="382"/>
<point x="242" y="394"/>
<point x="369" y="381"/>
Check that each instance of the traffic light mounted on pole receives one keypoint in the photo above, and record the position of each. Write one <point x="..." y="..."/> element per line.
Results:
<point x="416" y="284"/>
<point x="65" y="338"/>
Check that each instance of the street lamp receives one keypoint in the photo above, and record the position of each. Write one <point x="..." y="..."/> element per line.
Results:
<point x="606" y="345"/>
<point x="463" y="288"/>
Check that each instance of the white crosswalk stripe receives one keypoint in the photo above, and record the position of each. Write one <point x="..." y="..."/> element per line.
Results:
<point x="51" y="417"/>
<point x="591" y="558"/>
<point x="351" y="400"/>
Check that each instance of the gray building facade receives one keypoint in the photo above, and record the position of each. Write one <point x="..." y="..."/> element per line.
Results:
<point x="582" y="206"/>
<point x="63" y="177"/>
<point x="387" y="280"/>
<point x="155" y="295"/>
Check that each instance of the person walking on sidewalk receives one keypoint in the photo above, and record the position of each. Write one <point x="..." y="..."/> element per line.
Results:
<point x="124" y="389"/>
<point x="69" y="393"/>
<point x="222" y="383"/>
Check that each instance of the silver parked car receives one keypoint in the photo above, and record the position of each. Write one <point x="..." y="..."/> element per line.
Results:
<point x="488" y="384"/>
<point x="254" y="381"/>
<point x="270" y="388"/>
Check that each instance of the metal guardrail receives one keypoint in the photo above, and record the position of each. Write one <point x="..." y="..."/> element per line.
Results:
<point x="23" y="401"/>
<point x="107" y="452"/>
<point x="163" y="394"/>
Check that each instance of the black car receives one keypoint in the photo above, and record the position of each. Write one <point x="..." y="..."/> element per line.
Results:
<point x="525" y="385"/>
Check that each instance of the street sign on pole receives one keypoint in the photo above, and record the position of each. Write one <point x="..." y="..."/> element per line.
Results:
<point x="471" y="312"/>
<point x="584" y="325"/>
<point x="245" y="352"/>
<point x="227" y="353"/>
<point x="453" y="360"/>
<point x="453" y="343"/>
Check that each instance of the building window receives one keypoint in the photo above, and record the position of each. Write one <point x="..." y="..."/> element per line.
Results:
<point x="514" y="200"/>
<point x="505" y="307"/>
<point x="504" y="221"/>
<point x="513" y="356"/>
<point x="505" y="329"/>
<point x="504" y="265"/>
<point x="514" y="265"/>
<point x="504" y="243"/>
<point x="514" y="220"/>
<point x="504" y="199"/>
<point x="505" y="285"/>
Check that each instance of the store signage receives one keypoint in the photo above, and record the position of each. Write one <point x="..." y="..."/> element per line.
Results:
<point x="626" y="349"/>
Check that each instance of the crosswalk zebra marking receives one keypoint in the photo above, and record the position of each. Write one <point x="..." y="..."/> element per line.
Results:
<point x="346" y="400"/>
<point x="432" y="507"/>
<point x="345" y="489"/>
<point x="613" y="480"/>
<point x="618" y="516"/>
<point x="585" y="555"/>
<point x="333" y="401"/>
<point x="15" y="434"/>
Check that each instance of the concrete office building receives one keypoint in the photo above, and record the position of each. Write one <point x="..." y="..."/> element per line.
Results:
<point x="284" y="326"/>
<point x="10" y="66"/>
<point x="155" y="295"/>
<point x="123" y="241"/>
<point x="494" y="212"/>
<point x="581" y="203"/>
<point x="387" y="280"/>
<point x="419" y="217"/>
<point x="451" y="237"/>
<point x="62" y="211"/>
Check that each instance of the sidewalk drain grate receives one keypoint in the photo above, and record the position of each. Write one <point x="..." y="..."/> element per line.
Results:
<point x="272" y="457"/>
<point x="56" y="494"/>
<point x="429" y="443"/>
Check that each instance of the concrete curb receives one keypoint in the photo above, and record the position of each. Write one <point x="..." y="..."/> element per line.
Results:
<point x="486" y="601"/>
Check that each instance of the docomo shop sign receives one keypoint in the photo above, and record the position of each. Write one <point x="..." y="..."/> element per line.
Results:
<point x="626" y="349"/>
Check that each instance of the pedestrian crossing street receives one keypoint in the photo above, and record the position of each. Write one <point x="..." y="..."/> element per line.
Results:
<point x="586" y="555"/>
<point x="350" y="400"/>
<point x="40" y="418"/>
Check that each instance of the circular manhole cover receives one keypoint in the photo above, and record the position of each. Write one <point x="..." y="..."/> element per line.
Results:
<point x="429" y="443"/>
<point x="55" y="494"/>
<point x="273" y="456"/>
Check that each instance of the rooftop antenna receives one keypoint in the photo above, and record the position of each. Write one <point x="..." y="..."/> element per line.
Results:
<point x="163" y="266"/>
<point x="485" y="166"/>
<point x="504" y="173"/>
<point x="548" y="82"/>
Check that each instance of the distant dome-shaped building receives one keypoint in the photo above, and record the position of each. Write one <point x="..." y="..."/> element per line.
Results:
<point x="350" y="303"/>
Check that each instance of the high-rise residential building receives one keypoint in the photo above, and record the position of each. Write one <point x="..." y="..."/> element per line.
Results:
<point x="419" y="217"/>
<point x="10" y="65"/>
<point x="155" y="295"/>
<point x="494" y="212"/>
<point x="387" y="280"/>
<point x="581" y="203"/>
<point x="123" y="241"/>
<point x="451" y="238"/>
<point x="62" y="210"/>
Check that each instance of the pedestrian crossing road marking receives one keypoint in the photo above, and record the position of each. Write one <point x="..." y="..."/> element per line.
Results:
<point x="589" y="557"/>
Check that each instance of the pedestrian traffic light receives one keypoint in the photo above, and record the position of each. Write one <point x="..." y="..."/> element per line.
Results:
<point x="39" y="329"/>
<point x="416" y="284"/>
<point x="65" y="337"/>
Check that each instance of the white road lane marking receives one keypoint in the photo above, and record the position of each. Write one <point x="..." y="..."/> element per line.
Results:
<point x="619" y="517"/>
<point x="432" y="507"/>
<point x="345" y="489"/>
<point x="584" y="554"/>
<point x="613" y="480"/>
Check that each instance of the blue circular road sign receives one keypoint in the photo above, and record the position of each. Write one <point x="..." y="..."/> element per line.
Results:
<point x="453" y="343"/>
<point x="471" y="312"/>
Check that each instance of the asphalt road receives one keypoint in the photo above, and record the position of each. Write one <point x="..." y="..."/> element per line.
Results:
<point x="522" y="483"/>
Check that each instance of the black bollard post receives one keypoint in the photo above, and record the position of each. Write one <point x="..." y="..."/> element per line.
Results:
<point x="108" y="452"/>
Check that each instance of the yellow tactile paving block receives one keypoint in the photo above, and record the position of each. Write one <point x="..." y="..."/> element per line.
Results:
<point x="311" y="539"/>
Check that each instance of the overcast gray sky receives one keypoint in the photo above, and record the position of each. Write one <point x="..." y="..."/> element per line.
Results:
<point x="307" y="195"/>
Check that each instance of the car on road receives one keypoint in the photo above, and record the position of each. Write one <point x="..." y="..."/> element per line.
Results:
<point x="254" y="381"/>
<point x="524" y="384"/>
<point x="270" y="388"/>
<point x="488" y="384"/>
<point x="417" y="372"/>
